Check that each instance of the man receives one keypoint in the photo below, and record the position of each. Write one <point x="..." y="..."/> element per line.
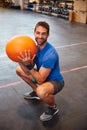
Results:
<point x="45" y="80"/>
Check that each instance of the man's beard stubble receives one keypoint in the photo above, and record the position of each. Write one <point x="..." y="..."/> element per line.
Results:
<point x="41" y="44"/>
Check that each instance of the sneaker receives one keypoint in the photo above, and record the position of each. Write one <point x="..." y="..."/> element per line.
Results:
<point x="49" y="113"/>
<point x="31" y="95"/>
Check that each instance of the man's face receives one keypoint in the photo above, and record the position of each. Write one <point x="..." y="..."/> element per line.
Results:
<point x="41" y="35"/>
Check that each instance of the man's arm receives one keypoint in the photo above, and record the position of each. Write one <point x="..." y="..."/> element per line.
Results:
<point x="41" y="75"/>
<point x="27" y="64"/>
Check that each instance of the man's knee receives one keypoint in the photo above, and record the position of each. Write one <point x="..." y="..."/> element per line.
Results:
<point x="43" y="91"/>
<point x="18" y="70"/>
<point x="40" y="92"/>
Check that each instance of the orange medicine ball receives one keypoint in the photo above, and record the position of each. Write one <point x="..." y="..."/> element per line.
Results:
<point x="18" y="44"/>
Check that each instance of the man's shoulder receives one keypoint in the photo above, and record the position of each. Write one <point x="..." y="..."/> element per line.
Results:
<point x="51" y="49"/>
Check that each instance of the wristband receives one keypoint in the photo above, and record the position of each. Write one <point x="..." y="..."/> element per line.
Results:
<point x="33" y="80"/>
<point x="30" y="67"/>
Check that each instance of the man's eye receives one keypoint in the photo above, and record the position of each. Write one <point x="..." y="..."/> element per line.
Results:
<point x="37" y="33"/>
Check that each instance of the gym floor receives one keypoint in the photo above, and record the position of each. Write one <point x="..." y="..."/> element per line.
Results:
<point x="70" y="40"/>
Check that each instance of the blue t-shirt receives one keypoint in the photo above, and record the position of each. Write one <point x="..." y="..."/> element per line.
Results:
<point x="48" y="58"/>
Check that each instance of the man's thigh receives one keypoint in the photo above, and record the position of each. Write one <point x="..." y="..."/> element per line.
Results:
<point x="46" y="87"/>
<point x="51" y="87"/>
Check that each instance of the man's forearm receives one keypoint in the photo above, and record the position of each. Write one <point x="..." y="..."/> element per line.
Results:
<point x="24" y="68"/>
<point x="36" y="75"/>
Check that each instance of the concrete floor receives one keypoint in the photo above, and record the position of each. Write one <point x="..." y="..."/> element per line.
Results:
<point x="70" y="40"/>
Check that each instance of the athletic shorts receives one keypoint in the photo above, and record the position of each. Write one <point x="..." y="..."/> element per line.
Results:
<point x="57" y="86"/>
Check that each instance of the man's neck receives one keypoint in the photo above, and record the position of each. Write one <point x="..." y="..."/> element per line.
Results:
<point x="42" y="46"/>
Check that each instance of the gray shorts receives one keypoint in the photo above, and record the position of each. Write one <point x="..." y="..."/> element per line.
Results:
<point x="57" y="86"/>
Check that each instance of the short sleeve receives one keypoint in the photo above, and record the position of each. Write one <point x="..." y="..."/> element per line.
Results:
<point x="50" y="59"/>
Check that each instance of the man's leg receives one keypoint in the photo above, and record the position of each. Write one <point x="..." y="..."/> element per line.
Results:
<point x="26" y="77"/>
<point x="46" y="93"/>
